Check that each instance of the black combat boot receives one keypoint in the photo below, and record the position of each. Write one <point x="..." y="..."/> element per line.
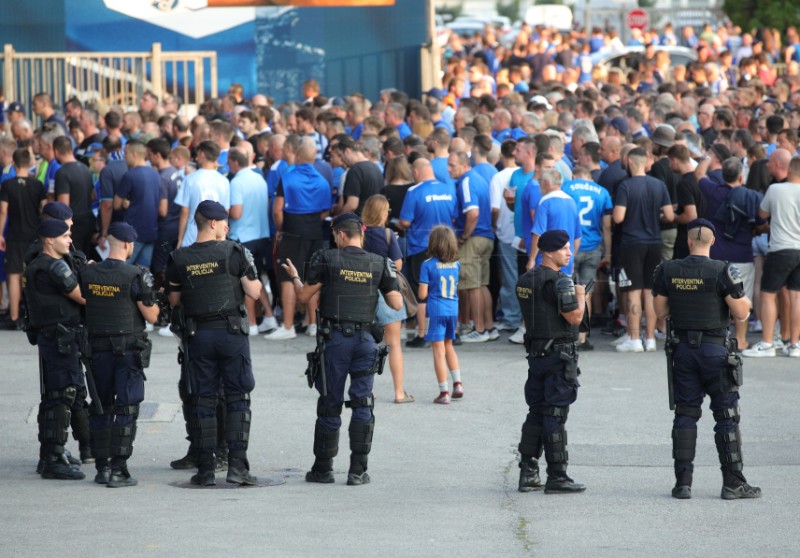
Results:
<point x="734" y="485"/>
<point x="555" y="451"/>
<point x="239" y="472"/>
<point x="103" y="470"/>
<point x="684" y="442"/>
<point x="119" y="476"/>
<point x="530" y="449"/>
<point x="326" y="447"/>
<point x="205" y="470"/>
<point x="56" y="466"/>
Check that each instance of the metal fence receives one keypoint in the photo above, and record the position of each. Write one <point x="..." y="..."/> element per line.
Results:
<point x="110" y="78"/>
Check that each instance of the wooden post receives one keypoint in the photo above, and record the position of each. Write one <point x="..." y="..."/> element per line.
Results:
<point x="214" y="82"/>
<point x="156" y="71"/>
<point x="9" y="89"/>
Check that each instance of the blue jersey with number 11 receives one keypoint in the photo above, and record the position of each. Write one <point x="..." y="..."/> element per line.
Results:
<point x="442" y="281"/>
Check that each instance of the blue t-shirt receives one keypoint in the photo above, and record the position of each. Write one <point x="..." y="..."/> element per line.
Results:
<point x="531" y="196"/>
<point x="305" y="191"/>
<point x="594" y="202"/>
<point x="201" y="185"/>
<point x="439" y="165"/>
<point x="473" y="193"/>
<point x="404" y="130"/>
<point x="518" y="181"/>
<point x="446" y="125"/>
<point x="486" y="170"/>
<point x="142" y="186"/>
<point x="222" y="163"/>
<point x="171" y="180"/>
<point x="426" y="205"/>
<point x="249" y="189"/>
<point x="276" y="171"/>
<point x="50" y="178"/>
<point x="558" y="211"/>
<point x="442" y="281"/>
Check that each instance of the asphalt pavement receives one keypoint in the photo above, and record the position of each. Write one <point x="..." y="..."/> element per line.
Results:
<point x="443" y="477"/>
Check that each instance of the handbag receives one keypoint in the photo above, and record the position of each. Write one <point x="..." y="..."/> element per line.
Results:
<point x="405" y="289"/>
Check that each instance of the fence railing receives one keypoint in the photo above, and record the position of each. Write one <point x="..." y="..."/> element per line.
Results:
<point x="112" y="78"/>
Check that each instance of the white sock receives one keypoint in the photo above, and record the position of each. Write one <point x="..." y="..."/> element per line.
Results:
<point x="456" y="374"/>
<point x="444" y="387"/>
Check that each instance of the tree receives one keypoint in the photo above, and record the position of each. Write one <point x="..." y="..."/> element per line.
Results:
<point x="751" y="14"/>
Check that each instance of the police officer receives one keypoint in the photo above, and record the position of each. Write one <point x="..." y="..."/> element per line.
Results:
<point x="549" y="296"/>
<point x="79" y="414"/>
<point x="54" y="314"/>
<point x="348" y="278"/>
<point x="119" y="298"/>
<point x="701" y="295"/>
<point x="210" y="279"/>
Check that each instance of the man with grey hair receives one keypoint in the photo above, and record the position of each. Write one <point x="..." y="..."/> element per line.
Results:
<point x="395" y="116"/>
<point x="581" y="135"/>
<point x="556" y="211"/>
<point x="21" y="130"/>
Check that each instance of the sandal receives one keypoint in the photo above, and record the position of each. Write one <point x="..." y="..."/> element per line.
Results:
<point x="407" y="398"/>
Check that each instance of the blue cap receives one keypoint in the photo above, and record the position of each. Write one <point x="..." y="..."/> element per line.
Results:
<point x="550" y="241"/>
<point x="339" y="219"/>
<point x="620" y="124"/>
<point x="698" y="223"/>
<point x="57" y="210"/>
<point x="434" y="92"/>
<point x="338" y="102"/>
<point x="212" y="210"/>
<point x="51" y="228"/>
<point x="16" y="106"/>
<point x="122" y="231"/>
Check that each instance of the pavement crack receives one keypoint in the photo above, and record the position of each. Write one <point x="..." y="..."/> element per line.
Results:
<point x="519" y="523"/>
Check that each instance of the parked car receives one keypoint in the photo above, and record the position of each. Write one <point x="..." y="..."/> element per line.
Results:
<point x="629" y="56"/>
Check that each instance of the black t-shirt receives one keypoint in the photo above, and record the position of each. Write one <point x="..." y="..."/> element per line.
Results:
<point x="643" y="197"/>
<point x="688" y="194"/>
<point x="363" y="180"/>
<point x="24" y="197"/>
<point x="75" y="179"/>
<point x="670" y="178"/>
<point x="396" y="194"/>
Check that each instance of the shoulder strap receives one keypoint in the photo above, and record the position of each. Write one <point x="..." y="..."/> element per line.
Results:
<point x="388" y="232"/>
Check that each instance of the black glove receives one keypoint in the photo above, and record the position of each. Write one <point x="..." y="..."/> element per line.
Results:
<point x="147" y="287"/>
<point x="732" y="279"/>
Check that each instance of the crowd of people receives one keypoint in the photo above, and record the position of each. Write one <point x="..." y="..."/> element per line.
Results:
<point x="514" y="143"/>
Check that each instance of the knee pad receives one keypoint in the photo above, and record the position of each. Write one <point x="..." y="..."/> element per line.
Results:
<point x="237" y="402"/>
<point x="204" y="406"/>
<point x="361" y="436"/>
<point x="729" y="448"/>
<point x="326" y="411"/>
<point x="531" y="442"/>
<point x="122" y="438"/>
<point x="56" y="422"/>
<point x="361" y="402"/>
<point x="326" y="442"/>
<point x="237" y="427"/>
<point x="731" y="413"/>
<point x="684" y="443"/>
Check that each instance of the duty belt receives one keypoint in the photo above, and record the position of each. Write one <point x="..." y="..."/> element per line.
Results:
<point x="684" y="337"/>
<point x="106" y="343"/>
<point x="345" y="326"/>
<point x="552" y="346"/>
<point x="213" y="322"/>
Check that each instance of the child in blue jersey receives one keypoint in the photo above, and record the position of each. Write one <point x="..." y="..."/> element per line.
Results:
<point x="438" y="282"/>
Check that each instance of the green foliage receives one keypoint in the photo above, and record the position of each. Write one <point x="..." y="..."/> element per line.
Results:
<point x="508" y="9"/>
<point x="453" y="10"/>
<point x="750" y="14"/>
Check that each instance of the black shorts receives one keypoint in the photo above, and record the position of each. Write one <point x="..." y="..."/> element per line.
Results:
<point x="297" y="249"/>
<point x="413" y="270"/>
<point x="639" y="262"/>
<point x="15" y="255"/>
<point x="261" y="249"/>
<point x="781" y="269"/>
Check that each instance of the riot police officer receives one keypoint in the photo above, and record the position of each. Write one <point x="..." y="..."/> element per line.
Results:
<point x="348" y="278"/>
<point x="549" y="296"/>
<point x="79" y="415"/>
<point x="701" y="295"/>
<point x="210" y="279"/>
<point x="54" y="302"/>
<point x="119" y="298"/>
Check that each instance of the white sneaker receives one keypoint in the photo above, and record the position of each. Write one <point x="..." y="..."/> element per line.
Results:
<point x="631" y="346"/>
<point x="311" y="330"/>
<point x="778" y="342"/>
<point x="660" y="335"/>
<point x="519" y="336"/>
<point x="267" y="325"/>
<point x="148" y="327"/>
<point x="620" y="340"/>
<point x="494" y="334"/>
<point x="793" y="351"/>
<point x="253" y="331"/>
<point x="281" y="334"/>
<point x="165" y="332"/>
<point x="649" y="345"/>
<point x="475" y="337"/>
<point x="759" y="350"/>
<point x="756" y="327"/>
<point x="502" y="326"/>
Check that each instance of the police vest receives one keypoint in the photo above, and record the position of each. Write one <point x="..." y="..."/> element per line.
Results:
<point x="694" y="302"/>
<point x="110" y="310"/>
<point x="208" y="288"/>
<point x="542" y="318"/>
<point x="47" y="309"/>
<point x="350" y="288"/>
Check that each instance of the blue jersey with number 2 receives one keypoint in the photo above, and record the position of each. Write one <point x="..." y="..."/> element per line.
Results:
<point x="442" y="281"/>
